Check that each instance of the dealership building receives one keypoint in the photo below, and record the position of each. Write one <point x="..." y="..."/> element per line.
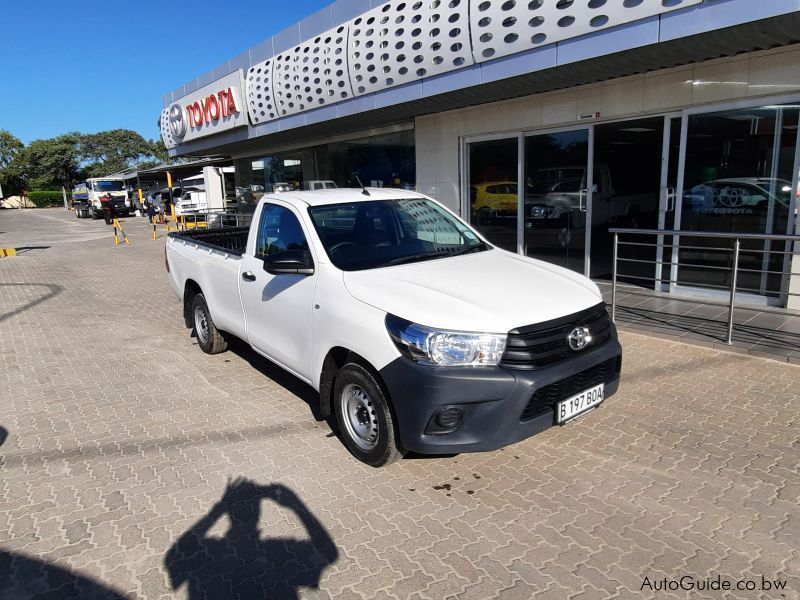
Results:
<point x="542" y="122"/>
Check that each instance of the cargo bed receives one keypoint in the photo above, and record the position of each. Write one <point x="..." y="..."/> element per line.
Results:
<point x="232" y="240"/>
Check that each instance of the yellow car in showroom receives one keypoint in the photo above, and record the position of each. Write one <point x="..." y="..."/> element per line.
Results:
<point x="493" y="200"/>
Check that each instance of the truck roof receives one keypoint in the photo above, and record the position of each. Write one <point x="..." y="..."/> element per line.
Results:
<point x="341" y="196"/>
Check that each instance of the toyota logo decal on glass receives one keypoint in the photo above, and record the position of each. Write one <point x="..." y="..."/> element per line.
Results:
<point x="177" y="121"/>
<point x="579" y="338"/>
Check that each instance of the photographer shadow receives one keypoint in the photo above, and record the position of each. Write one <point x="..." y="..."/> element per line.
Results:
<point x="243" y="564"/>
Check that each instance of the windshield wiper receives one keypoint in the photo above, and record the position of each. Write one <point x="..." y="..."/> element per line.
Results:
<point x="426" y="255"/>
<point x="481" y="246"/>
<point x="401" y="260"/>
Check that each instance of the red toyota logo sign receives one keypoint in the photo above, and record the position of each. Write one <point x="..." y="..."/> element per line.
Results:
<point x="212" y="108"/>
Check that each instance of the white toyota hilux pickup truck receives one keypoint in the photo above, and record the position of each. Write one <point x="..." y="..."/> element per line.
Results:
<point x="418" y="334"/>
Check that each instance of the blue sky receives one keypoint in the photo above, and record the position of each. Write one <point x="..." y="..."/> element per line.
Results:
<point x="90" y="66"/>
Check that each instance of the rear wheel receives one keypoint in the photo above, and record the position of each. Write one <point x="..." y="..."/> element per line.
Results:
<point x="209" y="338"/>
<point x="364" y="417"/>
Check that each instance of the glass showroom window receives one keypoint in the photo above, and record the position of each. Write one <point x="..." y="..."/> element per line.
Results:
<point x="738" y="178"/>
<point x="386" y="160"/>
<point x="493" y="190"/>
<point x="379" y="161"/>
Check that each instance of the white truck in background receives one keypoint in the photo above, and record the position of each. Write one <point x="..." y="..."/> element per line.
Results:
<point x="86" y="197"/>
<point x="203" y="192"/>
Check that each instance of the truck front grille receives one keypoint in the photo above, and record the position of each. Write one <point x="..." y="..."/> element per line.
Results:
<point x="546" y="398"/>
<point x="544" y="344"/>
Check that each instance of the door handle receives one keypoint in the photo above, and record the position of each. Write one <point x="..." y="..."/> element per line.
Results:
<point x="248" y="276"/>
<point x="581" y="205"/>
<point x="671" y="198"/>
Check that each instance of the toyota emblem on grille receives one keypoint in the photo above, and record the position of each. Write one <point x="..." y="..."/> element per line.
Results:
<point x="579" y="338"/>
<point x="177" y="121"/>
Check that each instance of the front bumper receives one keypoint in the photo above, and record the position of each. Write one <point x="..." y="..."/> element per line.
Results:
<point x="492" y="399"/>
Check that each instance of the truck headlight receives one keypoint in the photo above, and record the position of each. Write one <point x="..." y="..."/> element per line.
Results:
<point x="445" y="348"/>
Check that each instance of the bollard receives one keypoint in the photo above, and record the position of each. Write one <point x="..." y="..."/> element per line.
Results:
<point x="117" y="224"/>
<point x="154" y="231"/>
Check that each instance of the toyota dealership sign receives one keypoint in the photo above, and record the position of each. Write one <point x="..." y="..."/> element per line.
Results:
<point x="212" y="109"/>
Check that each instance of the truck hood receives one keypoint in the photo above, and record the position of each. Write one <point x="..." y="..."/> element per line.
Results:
<point x="493" y="291"/>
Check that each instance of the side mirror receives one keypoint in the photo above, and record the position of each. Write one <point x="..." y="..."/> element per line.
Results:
<point x="290" y="262"/>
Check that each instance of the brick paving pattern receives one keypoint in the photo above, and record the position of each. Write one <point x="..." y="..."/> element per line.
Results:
<point x="136" y="466"/>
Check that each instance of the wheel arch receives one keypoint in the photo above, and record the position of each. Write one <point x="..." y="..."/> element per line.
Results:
<point x="190" y="289"/>
<point x="335" y="359"/>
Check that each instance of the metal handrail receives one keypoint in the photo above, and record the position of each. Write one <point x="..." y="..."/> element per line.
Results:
<point x="675" y="244"/>
<point x="708" y="234"/>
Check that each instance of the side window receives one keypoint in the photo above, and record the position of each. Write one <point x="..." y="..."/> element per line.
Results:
<point x="279" y="230"/>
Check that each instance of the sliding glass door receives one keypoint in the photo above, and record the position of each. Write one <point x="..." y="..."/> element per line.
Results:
<point x="492" y="188"/>
<point x="558" y="193"/>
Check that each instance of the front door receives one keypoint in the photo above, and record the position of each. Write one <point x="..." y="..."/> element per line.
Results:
<point x="558" y="194"/>
<point x="278" y="308"/>
<point x="634" y="188"/>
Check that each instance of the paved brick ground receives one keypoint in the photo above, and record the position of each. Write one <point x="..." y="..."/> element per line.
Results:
<point x="137" y="466"/>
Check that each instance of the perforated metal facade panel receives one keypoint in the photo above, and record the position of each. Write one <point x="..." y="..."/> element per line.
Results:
<point x="312" y="74"/>
<point x="399" y="42"/>
<point x="260" y="97"/>
<point x="405" y="41"/>
<point x="503" y="27"/>
<point x="166" y="130"/>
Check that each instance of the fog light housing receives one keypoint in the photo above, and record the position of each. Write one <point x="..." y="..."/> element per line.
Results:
<point x="449" y="417"/>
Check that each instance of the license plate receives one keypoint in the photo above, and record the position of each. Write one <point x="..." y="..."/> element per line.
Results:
<point x="586" y="400"/>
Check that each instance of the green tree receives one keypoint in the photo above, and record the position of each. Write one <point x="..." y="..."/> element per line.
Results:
<point x="113" y="151"/>
<point x="10" y="147"/>
<point x="51" y="163"/>
<point x="159" y="151"/>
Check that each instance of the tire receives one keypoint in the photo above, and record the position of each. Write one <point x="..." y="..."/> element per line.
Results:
<point x="209" y="338"/>
<point x="364" y="417"/>
<point x="95" y="216"/>
<point x="77" y="213"/>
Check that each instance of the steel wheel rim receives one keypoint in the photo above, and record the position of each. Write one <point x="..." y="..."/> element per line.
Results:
<point x="359" y="416"/>
<point x="201" y="324"/>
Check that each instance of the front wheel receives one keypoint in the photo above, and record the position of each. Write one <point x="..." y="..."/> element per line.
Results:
<point x="209" y="338"/>
<point x="364" y="418"/>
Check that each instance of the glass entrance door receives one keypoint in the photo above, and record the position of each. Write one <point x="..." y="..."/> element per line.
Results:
<point x="558" y="192"/>
<point x="629" y="187"/>
<point x="493" y="194"/>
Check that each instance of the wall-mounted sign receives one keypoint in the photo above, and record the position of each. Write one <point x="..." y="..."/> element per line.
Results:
<point x="212" y="109"/>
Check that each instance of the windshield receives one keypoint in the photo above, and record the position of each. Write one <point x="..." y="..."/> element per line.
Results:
<point x="108" y="186"/>
<point x="557" y="185"/>
<point x="382" y="233"/>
